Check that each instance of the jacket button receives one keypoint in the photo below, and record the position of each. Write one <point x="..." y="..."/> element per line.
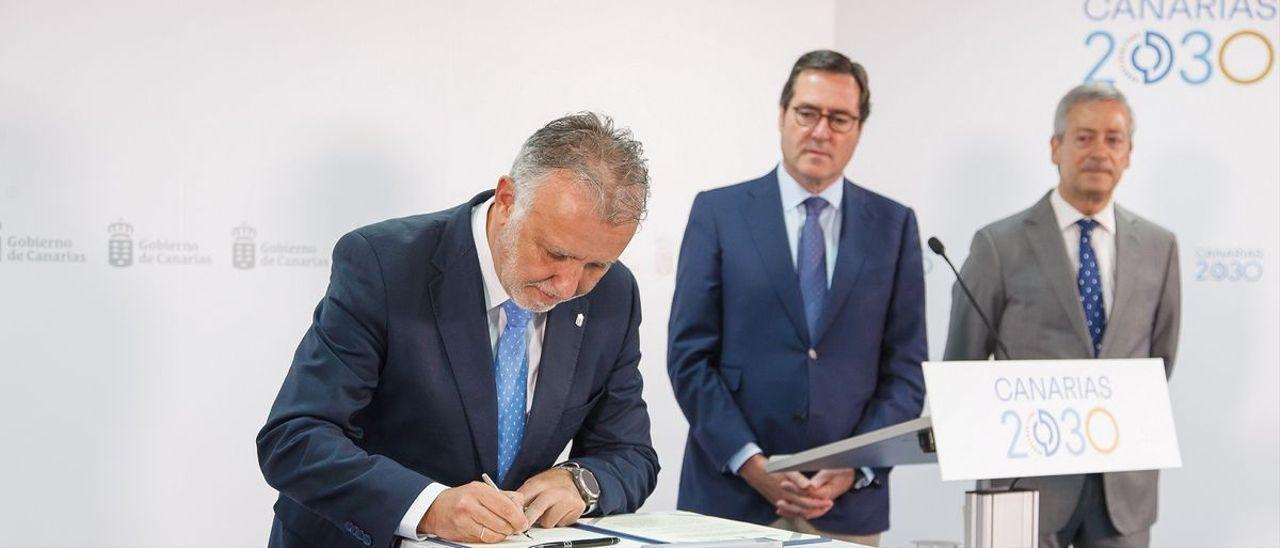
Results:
<point x="813" y="354"/>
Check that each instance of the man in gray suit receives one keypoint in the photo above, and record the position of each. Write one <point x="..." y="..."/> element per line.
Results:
<point x="1048" y="276"/>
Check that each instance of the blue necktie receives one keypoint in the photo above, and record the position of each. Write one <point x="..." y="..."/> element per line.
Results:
<point x="1090" y="285"/>
<point x="511" y="370"/>
<point x="812" y="264"/>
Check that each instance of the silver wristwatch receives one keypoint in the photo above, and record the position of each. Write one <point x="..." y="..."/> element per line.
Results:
<point x="586" y="483"/>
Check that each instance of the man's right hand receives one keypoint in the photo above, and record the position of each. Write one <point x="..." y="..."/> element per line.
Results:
<point x="475" y="512"/>
<point x="770" y="486"/>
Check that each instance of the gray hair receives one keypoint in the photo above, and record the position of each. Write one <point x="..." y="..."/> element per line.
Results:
<point x="1085" y="93"/>
<point x="608" y="161"/>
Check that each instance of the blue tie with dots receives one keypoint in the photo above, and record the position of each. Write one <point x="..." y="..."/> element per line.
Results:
<point x="511" y="369"/>
<point x="811" y="262"/>
<point x="1089" y="282"/>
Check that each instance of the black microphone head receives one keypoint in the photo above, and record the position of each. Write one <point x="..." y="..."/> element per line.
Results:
<point x="936" y="246"/>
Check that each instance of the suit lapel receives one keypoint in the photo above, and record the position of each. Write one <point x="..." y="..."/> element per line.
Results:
<point x="855" y="245"/>
<point x="457" y="297"/>
<point x="1050" y="251"/>
<point x="561" y="343"/>
<point x="1127" y="263"/>
<point x="763" y="213"/>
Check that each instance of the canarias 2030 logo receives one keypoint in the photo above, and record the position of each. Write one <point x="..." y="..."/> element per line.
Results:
<point x="1184" y="41"/>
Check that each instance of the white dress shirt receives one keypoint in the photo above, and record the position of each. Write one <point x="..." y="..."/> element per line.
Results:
<point x="494" y="296"/>
<point x="1102" y="239"/>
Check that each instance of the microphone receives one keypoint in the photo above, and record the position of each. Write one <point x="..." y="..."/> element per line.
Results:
<point x="936" y="246"/>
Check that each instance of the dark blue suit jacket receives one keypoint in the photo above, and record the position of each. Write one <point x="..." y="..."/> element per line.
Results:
<point x="738" y="353"/>
<point x="392" y="388"/>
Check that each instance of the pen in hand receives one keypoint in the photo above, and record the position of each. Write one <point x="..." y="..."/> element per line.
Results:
<point x="489" y="481"/>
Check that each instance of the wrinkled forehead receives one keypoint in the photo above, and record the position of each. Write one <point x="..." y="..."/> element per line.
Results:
<point x="1102" y="116"/>
<point x="561" y="195"/>
<point x="826" y="90"/>
<point x="567" y="220"/>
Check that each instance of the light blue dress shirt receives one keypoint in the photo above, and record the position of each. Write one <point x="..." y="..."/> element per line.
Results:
<point x="793" y="215"/>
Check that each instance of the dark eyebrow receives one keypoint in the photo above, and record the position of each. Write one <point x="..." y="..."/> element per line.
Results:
<point x="829" y="111"/>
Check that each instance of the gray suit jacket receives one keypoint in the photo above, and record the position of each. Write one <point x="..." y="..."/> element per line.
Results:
<point x="1019" y="273"/>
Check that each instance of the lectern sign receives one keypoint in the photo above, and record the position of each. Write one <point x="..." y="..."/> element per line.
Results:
<point x="1008" y="419"/>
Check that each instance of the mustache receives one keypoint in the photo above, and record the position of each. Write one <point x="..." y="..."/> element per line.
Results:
<point x="544" y="287"/>
<point x="1097" y="167"/>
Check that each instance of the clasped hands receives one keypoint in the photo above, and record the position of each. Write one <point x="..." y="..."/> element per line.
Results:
<point x="476" y="512"/>
<point x="794" y="495"/>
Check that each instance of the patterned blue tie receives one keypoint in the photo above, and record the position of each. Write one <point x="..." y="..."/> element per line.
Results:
<point x="812" y="263"/>
<point x="511" y="370"/>
<point x="1090" y="285"/>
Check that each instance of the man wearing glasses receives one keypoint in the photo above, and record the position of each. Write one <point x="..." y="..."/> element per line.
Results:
<point x="798" y="320"/>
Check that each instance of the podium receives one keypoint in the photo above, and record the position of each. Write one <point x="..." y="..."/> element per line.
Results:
<point x="1014" y="419"/>
<point x="992" y="518"/>
<point x="909" y="442"/>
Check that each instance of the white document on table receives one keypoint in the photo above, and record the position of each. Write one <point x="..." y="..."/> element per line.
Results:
<point x="540" y="536"/>
<point x="636" y="530"/>
<point x="677" y="526"/>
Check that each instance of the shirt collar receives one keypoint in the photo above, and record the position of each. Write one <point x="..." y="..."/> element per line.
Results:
<point x="1067" y="214"/>
<point x="494" y="293"/>
<point x="793" y="194"/>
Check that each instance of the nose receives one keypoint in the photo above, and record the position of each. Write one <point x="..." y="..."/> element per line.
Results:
<point x="1099" y="148"/>
<point x="567" y="281"/>
<point x="1100" y="155"/>
<point x="821" y="129"/>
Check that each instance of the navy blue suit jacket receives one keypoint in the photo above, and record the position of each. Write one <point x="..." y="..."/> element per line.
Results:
<point x="739" y="348"/>
<point x="392" y="388"/>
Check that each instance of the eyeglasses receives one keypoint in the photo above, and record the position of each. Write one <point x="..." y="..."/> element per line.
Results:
<point x="839" y="122"/>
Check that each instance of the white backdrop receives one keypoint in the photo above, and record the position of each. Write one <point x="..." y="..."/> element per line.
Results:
<point x="181" y="130"/>
<point x="965" y="94"/>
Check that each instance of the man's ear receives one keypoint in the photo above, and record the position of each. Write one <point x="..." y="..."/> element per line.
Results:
<point x="504" y="199"/>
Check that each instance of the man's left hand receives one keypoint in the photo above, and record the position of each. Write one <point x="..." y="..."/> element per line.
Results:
<point x="831" y="483"/>
<point x="826" y="485"/>
<point x="552" y="499"/>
